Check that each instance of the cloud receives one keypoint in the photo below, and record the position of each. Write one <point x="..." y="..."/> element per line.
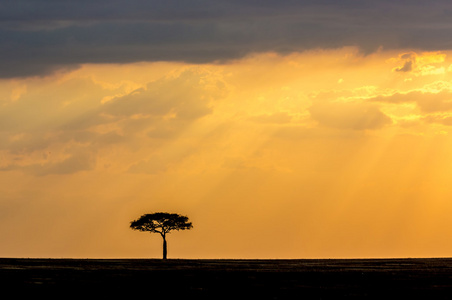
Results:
<point x="421" y="64"/>
<point x="343" y="115"/>
<point x="428" y="102"/>
<point x="160" y="98"/>
<point x="81" y="160"/>
<point x="39" y="37"/>
<point x="444" y="120"/>
<point x="407" y="67"/>
<point x="409" y="62"/>
<point x="70" y="120"/>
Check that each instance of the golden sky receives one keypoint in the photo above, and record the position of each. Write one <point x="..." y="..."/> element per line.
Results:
<point x="322" y="153"/>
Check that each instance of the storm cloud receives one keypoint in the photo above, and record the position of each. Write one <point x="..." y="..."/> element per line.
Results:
<point x="39" y="37"/>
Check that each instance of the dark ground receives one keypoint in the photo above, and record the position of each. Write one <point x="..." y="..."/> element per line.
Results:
<point x="228" y="279"/>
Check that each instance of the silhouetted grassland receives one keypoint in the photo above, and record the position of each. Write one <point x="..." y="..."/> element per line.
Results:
<point x="229" y="279"/>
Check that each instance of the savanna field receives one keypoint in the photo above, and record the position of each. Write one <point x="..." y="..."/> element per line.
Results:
<point x="229" y="279"/>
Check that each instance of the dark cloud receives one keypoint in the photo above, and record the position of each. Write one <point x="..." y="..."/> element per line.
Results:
<point x="407" y="67"/>
<point x="38" y="37"/>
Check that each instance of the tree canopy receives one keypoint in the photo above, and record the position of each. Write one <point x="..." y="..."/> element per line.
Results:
<point x="161" y="223"/>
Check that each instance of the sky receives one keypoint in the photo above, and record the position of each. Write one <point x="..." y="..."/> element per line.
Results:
<point x="282" y="129"/>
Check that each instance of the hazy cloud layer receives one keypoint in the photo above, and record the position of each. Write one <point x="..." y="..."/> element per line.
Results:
<point x="428" y="102"/>
<point x="354" y="116"/>
<point x="341" y="147"/>
<point x="51" y="131"/>
<point x="38" y="37"/>
<point x="84" y="120"/>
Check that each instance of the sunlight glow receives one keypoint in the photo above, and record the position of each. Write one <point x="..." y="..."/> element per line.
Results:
<point x="326" y="153"/>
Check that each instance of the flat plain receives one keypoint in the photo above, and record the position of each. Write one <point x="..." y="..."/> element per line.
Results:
<point x="429" y="278"/>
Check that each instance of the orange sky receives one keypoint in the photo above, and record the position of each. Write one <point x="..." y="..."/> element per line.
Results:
<point x="315" y="154"/>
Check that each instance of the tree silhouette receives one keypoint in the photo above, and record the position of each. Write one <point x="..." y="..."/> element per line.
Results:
<point x="161" y="223"/>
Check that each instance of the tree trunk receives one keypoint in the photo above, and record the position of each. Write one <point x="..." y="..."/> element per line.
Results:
<point x="164" y="248"/>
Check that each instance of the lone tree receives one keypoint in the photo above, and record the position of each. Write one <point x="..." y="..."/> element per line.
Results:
<point x="161" y="223"/>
